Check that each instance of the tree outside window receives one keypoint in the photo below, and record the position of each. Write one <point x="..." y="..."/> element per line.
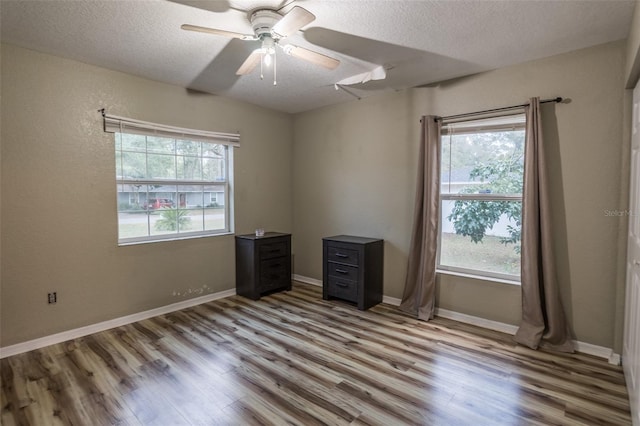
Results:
<point x="481" y="197"/>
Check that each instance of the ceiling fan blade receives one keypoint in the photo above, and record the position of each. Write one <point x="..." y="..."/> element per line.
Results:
<point x="230" y="34"/>
<point x="293" y="21"/>
<point x="311" y="56"/>
<point x="250" y="63"/>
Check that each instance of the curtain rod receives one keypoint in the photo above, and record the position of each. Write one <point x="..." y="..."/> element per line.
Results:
<point x="471" y="114"/>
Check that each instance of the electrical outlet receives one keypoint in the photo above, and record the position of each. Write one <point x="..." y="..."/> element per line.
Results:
<point x="52" y="297"/>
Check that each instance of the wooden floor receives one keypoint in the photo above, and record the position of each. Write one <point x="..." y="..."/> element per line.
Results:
<point x="292" y="358"/>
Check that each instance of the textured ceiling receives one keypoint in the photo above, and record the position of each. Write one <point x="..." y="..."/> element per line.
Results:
<point x="418" y="42"/>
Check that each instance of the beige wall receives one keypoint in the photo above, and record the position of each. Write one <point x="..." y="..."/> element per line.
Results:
<point x="59" y="228"/>
<point x="351" y="176"/>
<point x="354" y="171"/>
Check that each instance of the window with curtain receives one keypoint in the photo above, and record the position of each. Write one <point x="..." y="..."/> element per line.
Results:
<point x="482" y="167"/>
<point x="172" y="183"/>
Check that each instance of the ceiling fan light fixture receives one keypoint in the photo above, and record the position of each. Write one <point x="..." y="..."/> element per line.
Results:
<point x="269" y="28"/>
<point x="268" y="49"/>
<point x="267" y="59"/>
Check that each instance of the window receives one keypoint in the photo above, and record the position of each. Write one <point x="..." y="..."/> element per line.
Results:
<point x="171" y="183"/>
<point x="482" y="167"/>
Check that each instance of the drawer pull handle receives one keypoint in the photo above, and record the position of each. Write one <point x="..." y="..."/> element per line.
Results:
<point x="275" y="276"/>
<point x="342" y="271"/>
<point x="275" y="265"/>
<point x="274" y="251"/>
<point x="342" y="284"/>
<point x="342" y="255"/>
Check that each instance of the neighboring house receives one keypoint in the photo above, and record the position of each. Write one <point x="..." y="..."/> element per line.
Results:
<point x="186" y="197"/>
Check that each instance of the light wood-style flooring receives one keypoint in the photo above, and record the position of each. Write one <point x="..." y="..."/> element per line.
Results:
<point x="292" y="358"/>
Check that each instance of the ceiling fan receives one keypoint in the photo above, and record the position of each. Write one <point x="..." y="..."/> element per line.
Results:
<point x="270" y="28"/>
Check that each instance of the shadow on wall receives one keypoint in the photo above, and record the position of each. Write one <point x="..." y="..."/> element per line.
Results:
<point x="557" y="202"/>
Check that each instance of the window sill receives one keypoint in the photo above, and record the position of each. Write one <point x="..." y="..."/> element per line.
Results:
<point x="477" y="277"/>
<point x="162" y="240"/>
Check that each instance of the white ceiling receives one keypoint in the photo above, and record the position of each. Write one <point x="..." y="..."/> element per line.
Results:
<point x="420" y="42"/>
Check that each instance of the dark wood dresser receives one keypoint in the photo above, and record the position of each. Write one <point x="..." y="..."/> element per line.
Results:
<point x="353" y="269"/>
<point x="263" y="264"/>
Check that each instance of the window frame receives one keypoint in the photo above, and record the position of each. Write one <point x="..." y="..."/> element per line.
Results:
<point x="227" y="141"/>
<point x="506" y="122"/>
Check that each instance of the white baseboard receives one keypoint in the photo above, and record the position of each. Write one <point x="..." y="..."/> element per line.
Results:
<point x="391" y="300"/>
<point x="598" y="351"/>
<point x="586" y="348"/>
<point x="106" y="325"/>
<point x="306" y="280"/>
<point x="582" y="347"/>
<point x="477" y="321"/>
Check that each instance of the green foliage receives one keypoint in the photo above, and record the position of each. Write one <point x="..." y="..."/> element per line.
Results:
<point x="173" y="220"/>
<point x="500" y="174"/>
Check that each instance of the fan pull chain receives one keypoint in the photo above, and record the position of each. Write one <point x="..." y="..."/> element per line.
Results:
<point x="261" y="61"/>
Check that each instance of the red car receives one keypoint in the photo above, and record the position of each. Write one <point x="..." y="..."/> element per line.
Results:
<point x="157" y="203"/>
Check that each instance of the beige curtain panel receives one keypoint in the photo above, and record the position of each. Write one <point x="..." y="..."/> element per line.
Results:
<point x="420" y="286"/>
<point x="543" y="319"/>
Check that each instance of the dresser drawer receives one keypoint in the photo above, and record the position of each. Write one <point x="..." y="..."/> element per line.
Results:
<point x="268" y="284"/>
<point x="273" y="274"/>
<point x="342" y="255"/>
<point x="268" y="251"/>
<point x="273" y="268"/>
<point x="343" y="289"/>
<point x="342" y="271"/>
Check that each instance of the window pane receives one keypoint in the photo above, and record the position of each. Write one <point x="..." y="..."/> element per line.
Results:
<point x="213" y="169"/>
<point x="189" y="161"/>
<point x="136" y="143"/>
<point x="189" y="168"/>
<point x="212" y="150"/>
<point x="161" y="145"/>
<point x="163" y="209"/>
<point x="134" y="165"/>
<point x="195" y="221"/>
<point x="118" y="141"/>
<point x="165" y="204"/>
<point x="190" y="148"/>
<point x="190" y="204"/>
<point x="161" y="166"/>
<point x="489" y="162"/>
<point x="214" y="213"/>
<point x="481" y="236"/>
<point x="118" y="165"/>
<point x="133" y="220"/>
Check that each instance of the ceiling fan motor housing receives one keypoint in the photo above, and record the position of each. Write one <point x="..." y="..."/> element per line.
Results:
<point x="263" y="21"/>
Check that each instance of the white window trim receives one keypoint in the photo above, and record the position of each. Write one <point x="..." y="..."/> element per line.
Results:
<point x="472" y="274"/>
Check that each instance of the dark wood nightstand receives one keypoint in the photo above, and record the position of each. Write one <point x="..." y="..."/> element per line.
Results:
<point x="353" y="269"/>
<point x="263" y="264"/>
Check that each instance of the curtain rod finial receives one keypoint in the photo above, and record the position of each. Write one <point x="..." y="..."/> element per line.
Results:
<point x="559" y="99"/>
